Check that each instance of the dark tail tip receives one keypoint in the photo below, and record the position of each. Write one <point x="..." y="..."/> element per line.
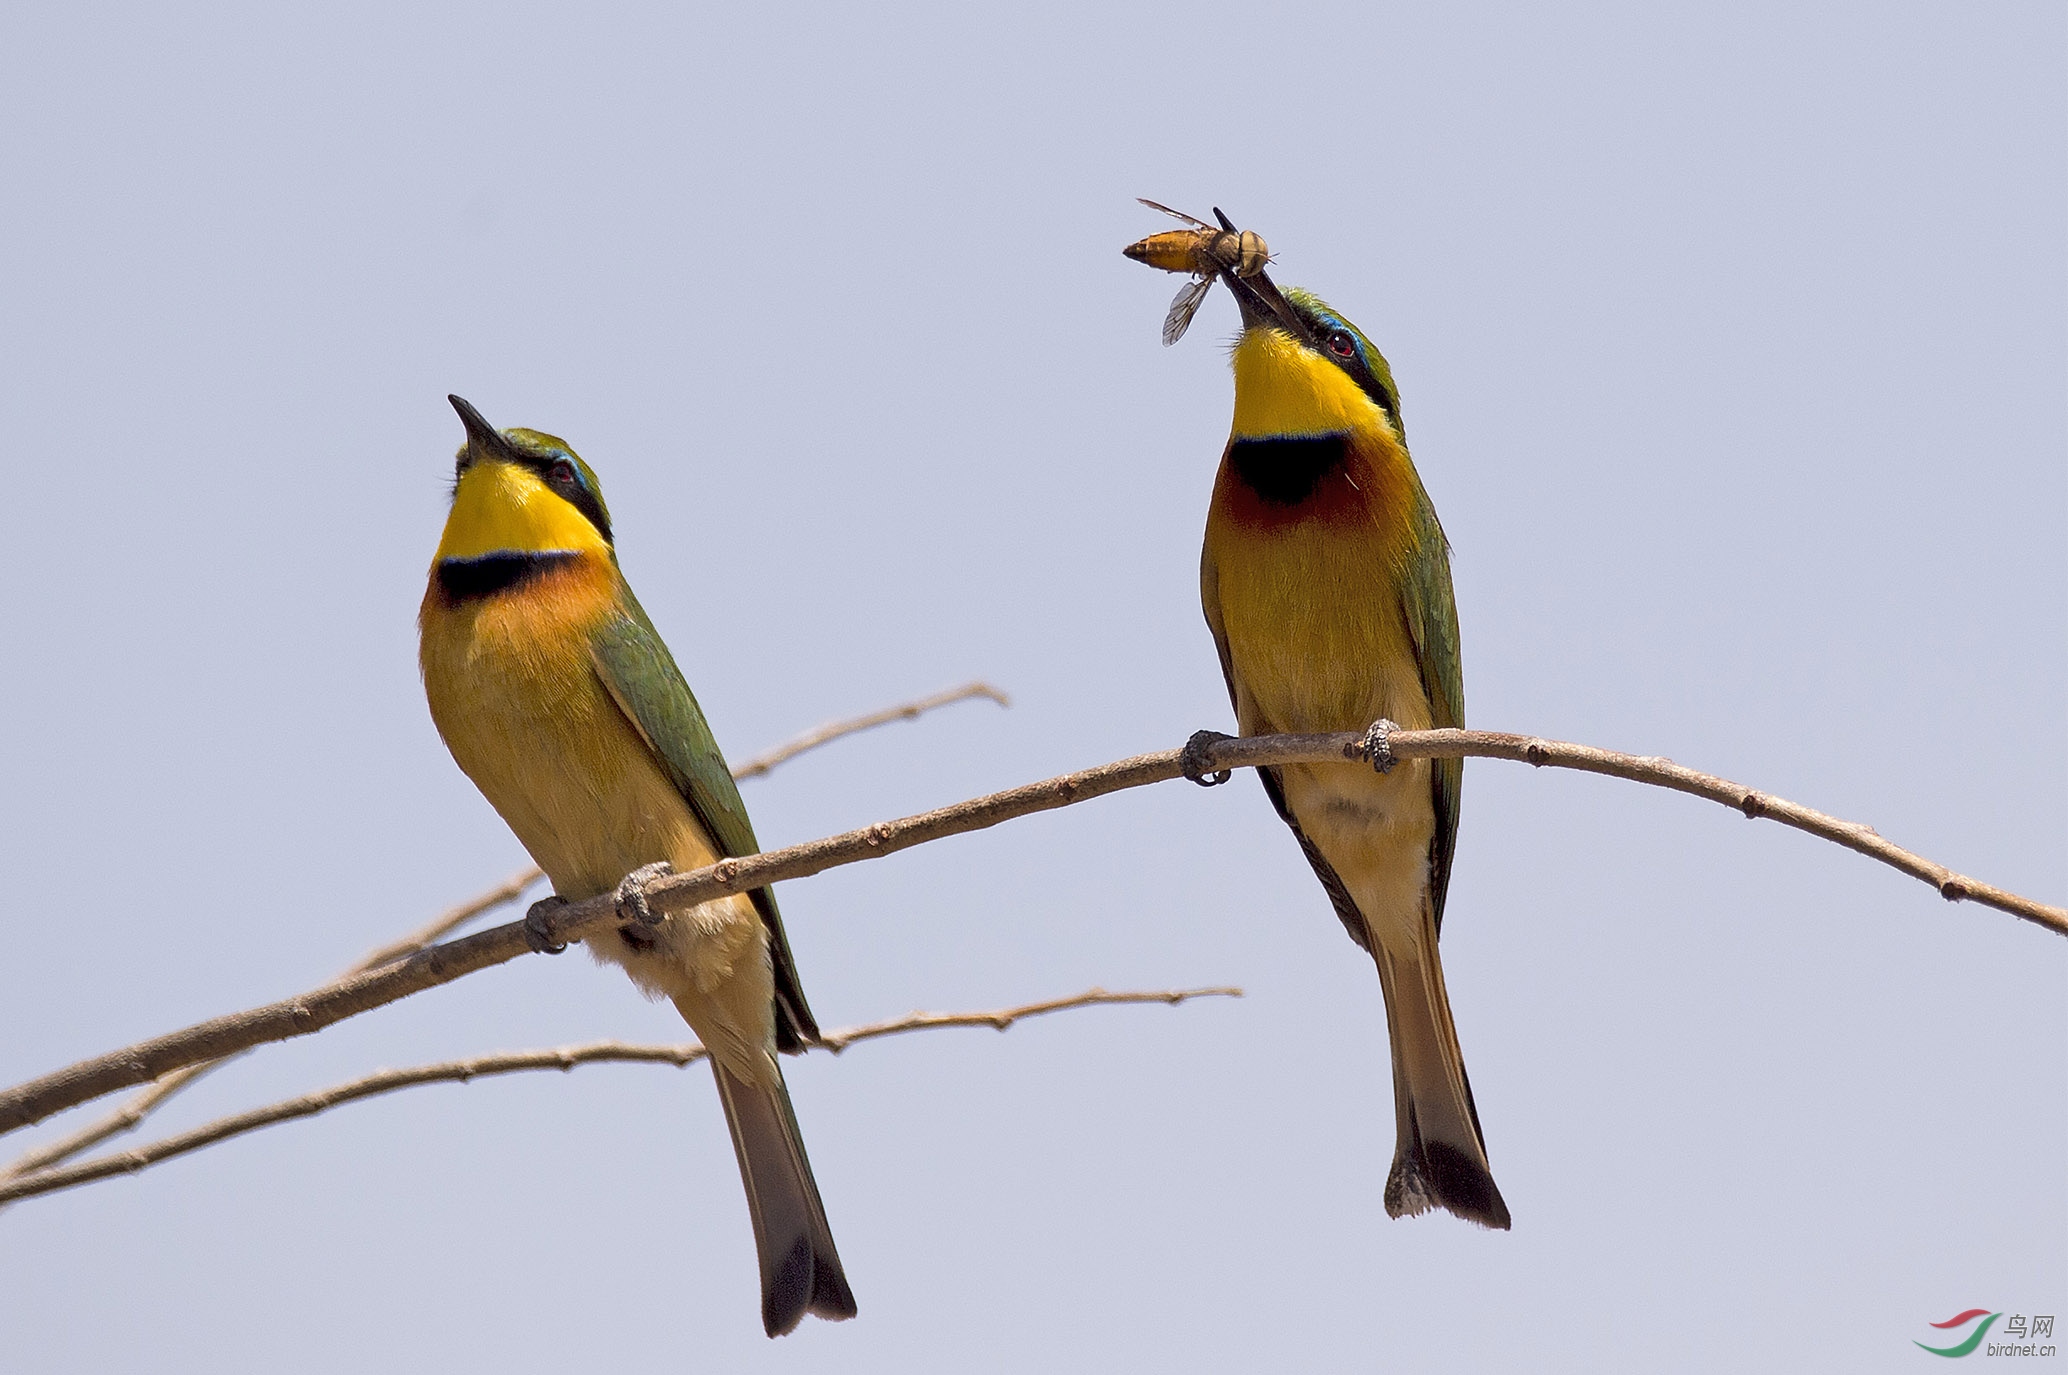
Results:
<point x="805" y="1282"/>
<point x="1440" y="1175"/>
<point x="831" y="1299"/>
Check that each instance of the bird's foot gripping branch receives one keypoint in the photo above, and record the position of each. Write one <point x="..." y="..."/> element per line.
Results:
<point x="1378" y="746"/>
<point x="1193" y="759"/>
<point x="538" y="926"/>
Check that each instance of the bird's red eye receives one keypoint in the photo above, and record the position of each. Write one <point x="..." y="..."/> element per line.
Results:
<point x="1341" y="344"/>
<point x="563" y="472"/>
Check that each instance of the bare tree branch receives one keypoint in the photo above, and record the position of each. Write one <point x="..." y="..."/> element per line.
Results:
<point x="508" y="891"/>
<point x="127" y="1117"/>
<point x="37" y="1099"/>
<point x="132" y="1113"/>
<point x="513" y="1062"/>
<point x="812" y="739"/>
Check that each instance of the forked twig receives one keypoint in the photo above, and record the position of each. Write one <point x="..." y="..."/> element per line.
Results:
<point x="132" y="1113"/>
<point x="140" y="1106"/>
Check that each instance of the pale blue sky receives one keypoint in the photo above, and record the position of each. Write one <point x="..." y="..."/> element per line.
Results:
<point x="1731" y="344"/>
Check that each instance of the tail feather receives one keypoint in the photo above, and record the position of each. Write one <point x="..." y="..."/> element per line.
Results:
<point x="800" y="1270"/>
<point x="1439" y="1158"/>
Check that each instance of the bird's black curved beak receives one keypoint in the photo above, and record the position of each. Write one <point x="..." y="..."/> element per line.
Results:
<point x="484" y="441"/>
<point x="1261" y="304"/>
<point x="1260" y="301"/>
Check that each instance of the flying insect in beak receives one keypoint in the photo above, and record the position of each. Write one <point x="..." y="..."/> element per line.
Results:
<point x="1204" y="251"/>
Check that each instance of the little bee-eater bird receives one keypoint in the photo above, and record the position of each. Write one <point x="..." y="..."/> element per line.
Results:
<point x="1326" y="581"/>
<point x="557" y="698"/>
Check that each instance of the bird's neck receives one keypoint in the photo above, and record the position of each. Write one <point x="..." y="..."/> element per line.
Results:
<point x="1308" y="444"/>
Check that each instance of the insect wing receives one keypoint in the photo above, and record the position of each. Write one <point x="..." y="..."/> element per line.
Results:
<point x="1184" y="308"/>
<point x="1174" y="214"/>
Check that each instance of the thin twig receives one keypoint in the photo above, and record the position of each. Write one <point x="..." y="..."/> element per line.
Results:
<point x="33" y="1101"/>
<point x="812" y="739"/>
<point x="141" y="1105"/>
<point x="132" y="1113"/>
<point x="513" y="1062"/>
<point x="1002" y="1020"/>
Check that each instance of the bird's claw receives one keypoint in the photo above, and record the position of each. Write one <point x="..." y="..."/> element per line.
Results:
<point x="1378" y="747"/>
<point x="538" y="934"/>
<point x="631" y="893"/>
<point x="1192" y="760"/>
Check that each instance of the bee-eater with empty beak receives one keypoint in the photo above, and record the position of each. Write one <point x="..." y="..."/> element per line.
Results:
<point x="558" y="699"/>
<point x="1326" y="581"/>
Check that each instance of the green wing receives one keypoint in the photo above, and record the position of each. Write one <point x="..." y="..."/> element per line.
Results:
<point x="1432" y="618"/>
<point x="642" y="678"/>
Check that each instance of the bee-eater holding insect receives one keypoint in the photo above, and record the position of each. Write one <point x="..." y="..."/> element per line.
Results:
<point x="1325" y="579"/>
<point x="557" y="698"/>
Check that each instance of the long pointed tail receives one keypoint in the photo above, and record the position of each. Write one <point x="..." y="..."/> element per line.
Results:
<point x="800" y="1270"/>
<point x="1439" y="1159"/>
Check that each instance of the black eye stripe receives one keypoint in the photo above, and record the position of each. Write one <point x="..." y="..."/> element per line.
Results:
<point x="1337" y="340"/>
<point x="565" y="475"/>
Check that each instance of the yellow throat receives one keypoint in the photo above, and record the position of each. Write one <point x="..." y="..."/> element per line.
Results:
<point x="505" y="508"/>
<point x="1284" y="388"/>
